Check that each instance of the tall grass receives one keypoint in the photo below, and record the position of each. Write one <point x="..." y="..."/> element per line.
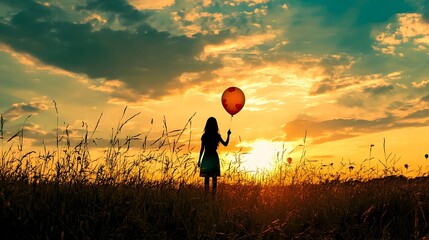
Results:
<point x="153" y="192"/>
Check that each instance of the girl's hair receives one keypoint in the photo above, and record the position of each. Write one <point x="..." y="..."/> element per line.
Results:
<point x="211" y="126"/>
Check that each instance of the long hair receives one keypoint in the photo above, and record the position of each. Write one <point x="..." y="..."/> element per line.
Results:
<point x="211" y="126"/>
<point x="211" y="133"/>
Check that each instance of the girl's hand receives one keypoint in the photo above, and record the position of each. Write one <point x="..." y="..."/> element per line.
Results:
<point x="229" y="132"/>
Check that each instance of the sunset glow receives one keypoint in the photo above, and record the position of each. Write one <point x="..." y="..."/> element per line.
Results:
<point x="261" y="156"/>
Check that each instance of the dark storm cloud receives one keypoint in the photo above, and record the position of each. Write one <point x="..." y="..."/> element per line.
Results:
<point x="146" y="60"/>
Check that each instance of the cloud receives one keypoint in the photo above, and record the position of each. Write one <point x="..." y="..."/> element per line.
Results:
<point x="337" y="71"/>
<point x="146" y="53"/>
<point x="425" y="98"/>
<point x="150" y="4"/>
<point x="408" y="30"/>
<point x="354" y="89"/>
<point x="241" y="45"/>
<point x="328" y="85"/>
<point x="147" y="61"/>
<point x="342" y="128"/>
<point x="17" y="110"/>
<point x="126" y="13"/>
<point x="338" y="26"/>
<point x="421" y="84"/>
<point x="351" y="100"/>
<point x="404" y="106"/>
<point x="418" y="114"/>
<point x="378" y="90"/>
<point x="39" y="137"/>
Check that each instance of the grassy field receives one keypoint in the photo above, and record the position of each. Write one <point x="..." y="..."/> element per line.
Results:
<point x="65" y="194"/>
<point x="388" y="208"/>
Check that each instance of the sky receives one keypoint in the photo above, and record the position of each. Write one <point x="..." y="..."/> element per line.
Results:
<point x="348" y="73"/>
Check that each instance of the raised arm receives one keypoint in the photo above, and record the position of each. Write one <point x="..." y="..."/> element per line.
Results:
<point x="225" y="143"/>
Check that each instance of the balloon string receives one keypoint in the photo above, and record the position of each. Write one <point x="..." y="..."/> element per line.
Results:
<point x="230" y="121"/>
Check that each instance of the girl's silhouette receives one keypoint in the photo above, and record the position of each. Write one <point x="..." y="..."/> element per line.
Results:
<point x="209" y="163"/>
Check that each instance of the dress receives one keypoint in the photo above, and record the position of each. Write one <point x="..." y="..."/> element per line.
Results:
<point x="210" y="166"/>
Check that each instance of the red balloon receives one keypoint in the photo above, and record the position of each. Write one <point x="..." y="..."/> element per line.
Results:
<point x="233" y="100"/>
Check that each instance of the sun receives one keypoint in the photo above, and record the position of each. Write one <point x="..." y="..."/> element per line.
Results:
<point x="261" y="157"/>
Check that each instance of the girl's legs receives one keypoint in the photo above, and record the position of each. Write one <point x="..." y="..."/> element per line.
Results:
<point x="206" y="183"/>
<point x="214" y="184"/>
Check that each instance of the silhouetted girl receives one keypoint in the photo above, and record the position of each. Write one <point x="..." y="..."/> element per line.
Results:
<point x="209" y="163"/>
